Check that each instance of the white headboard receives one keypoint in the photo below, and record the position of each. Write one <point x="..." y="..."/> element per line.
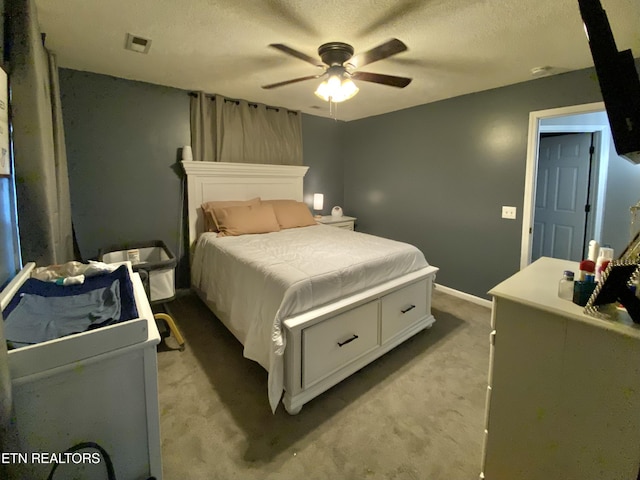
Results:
<point x="207" y="181"/>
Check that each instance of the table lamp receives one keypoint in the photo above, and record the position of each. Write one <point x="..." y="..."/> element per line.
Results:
<point x="318" y="204"/>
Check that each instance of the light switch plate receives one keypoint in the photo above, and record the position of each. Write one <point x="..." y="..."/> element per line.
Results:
<point x="509" y="212"/>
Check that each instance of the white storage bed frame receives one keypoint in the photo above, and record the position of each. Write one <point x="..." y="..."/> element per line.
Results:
<point x="384" y="316"/>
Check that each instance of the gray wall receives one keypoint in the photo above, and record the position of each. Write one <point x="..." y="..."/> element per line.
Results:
<point x="623" y="191"/>
<point x="437" y="175"/>
<point x="322" y="152"/>
<point x="123" y="139"/>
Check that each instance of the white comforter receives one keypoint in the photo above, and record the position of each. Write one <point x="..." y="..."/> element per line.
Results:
<point x="258" y="281"/>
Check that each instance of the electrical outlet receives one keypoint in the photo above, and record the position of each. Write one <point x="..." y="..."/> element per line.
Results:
<point x="509" y="212"/>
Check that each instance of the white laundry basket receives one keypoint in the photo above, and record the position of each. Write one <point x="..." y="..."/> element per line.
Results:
<point x="152" y="258"/>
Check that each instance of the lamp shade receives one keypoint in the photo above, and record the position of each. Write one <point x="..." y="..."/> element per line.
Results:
<point x="187" y="154"/>
<point x="318" y="201"/>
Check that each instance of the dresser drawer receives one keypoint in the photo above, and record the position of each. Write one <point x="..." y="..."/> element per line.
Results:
<point x="343" y="225"/>
<point x="403" y="308"/>
<point x="334" y="343"/>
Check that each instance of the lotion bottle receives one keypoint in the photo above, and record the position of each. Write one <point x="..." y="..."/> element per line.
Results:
<point x="594" y="250"/>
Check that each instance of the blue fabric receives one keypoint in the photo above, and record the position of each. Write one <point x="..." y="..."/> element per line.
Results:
<point x="111" y="294"/>
<point x="38" y="319"/>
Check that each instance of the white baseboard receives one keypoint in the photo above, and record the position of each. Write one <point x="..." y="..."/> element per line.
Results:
<point x="465" y="296"/>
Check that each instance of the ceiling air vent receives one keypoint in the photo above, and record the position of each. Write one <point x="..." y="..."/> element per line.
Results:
<point x="137" y="44"/>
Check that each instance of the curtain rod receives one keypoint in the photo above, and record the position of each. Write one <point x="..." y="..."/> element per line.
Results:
<point x="237" y="102"/>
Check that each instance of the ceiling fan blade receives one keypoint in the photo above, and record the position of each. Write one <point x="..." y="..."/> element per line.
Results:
<point x="395" y="12"/>
<point x="295" y="80"/>
<point x="286" y="13"/>
<point x="297" y="54"/>
<point x="380" y="52"/>
<point x="390" y="80"/>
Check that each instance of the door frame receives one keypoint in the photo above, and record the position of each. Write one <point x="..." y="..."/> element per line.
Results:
<point x="531" y="170"/>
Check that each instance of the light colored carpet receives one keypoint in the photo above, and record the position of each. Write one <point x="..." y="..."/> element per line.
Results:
<point x="415" y="413"/>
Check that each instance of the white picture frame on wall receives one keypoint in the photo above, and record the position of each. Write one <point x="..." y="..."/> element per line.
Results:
<point x="5" y="159"/>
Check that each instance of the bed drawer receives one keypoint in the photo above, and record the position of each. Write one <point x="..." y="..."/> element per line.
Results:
<point x="403" y="308"/>
<point x="335" y="342"/>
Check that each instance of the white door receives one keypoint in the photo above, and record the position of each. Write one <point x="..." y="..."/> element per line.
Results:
<point x="561" y="196"/>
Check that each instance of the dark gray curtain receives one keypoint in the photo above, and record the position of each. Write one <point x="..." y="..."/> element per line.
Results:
<point x="226" y="130"/>
<point x="42" y="182"/>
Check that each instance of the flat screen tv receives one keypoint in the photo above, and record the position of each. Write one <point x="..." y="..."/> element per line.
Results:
<point x="618" y="79"/>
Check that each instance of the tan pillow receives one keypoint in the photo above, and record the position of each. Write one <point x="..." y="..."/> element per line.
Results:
<point x="291" y="214"/>
<point x="246" y="219"/>
<point x="209" y="210"/>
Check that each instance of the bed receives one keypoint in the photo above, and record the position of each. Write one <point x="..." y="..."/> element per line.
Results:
<point x="312" y="304"/>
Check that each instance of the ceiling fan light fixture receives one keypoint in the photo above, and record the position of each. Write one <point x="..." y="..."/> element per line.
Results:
<point x="336" y="89"/>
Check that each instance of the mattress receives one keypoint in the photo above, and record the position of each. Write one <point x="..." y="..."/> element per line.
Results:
<point x="257" y="281"/>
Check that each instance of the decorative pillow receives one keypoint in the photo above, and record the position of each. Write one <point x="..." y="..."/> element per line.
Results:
<point x="291" y="214"/>
<point x="209" y="210"/>
<point x="243" y="220"/>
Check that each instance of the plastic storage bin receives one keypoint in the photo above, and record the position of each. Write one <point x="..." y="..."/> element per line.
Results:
<point x="153" y="258"/>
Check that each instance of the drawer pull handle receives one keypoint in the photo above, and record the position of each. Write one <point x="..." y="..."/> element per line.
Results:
<point x="411" y="307"/>
<point x="340" y="344"/>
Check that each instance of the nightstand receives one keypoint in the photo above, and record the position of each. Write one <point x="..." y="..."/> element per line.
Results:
<point x="341" y="222"/>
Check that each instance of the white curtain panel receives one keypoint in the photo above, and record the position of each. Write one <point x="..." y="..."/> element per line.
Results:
<point x="227" y="130"/>
<point x="42" y="182"/>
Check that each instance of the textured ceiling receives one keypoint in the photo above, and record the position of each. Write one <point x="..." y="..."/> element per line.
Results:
<point x="221" y="46"/>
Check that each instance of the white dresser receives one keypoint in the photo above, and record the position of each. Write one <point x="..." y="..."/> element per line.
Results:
<point x="563" y="400"/>
<point x="97" y="386"/>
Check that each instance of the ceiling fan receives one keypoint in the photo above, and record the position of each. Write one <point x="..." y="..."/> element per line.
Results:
<point x="340" y="67"/>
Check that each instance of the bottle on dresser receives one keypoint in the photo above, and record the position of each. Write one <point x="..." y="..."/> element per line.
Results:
<point x="604" y="258"/>
<point x="585" y="284"/>
<point x="565" y="286"/>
